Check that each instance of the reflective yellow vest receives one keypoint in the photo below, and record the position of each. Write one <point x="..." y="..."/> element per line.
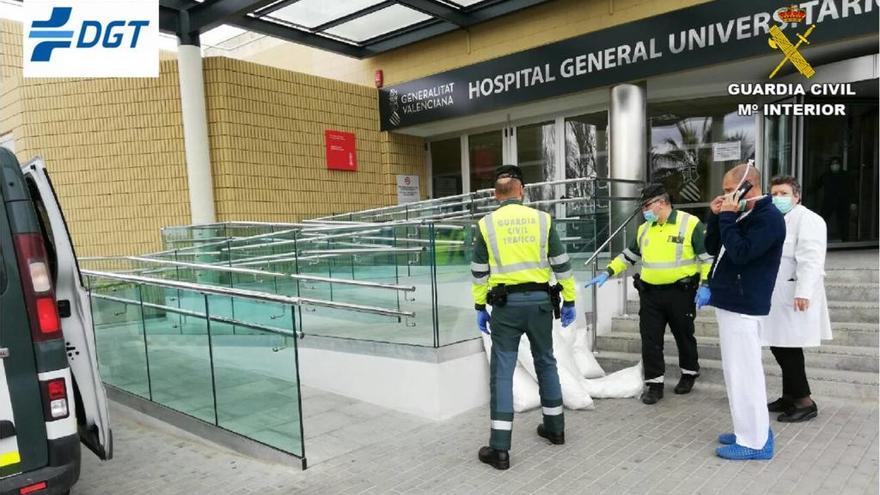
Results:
<point x="517" y="238"/>
<point x="666" y="251"/>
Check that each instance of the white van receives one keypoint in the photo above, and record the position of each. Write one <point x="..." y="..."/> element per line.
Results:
<point x="51" y="394"/>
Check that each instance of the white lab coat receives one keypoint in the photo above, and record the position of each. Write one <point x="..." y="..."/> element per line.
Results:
<point x="801" y="274"/>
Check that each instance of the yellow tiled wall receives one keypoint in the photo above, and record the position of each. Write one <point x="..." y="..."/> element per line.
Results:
<point x="115" y="149"/>
<point x="266" y="130"/>
<point x="535" y="26"/>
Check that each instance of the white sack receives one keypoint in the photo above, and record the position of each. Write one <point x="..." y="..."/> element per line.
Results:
<point x="622" y="384"/>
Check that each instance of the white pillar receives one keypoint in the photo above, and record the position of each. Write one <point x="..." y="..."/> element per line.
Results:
<point x="195" y="134"/>
<point x="628" y="150"/>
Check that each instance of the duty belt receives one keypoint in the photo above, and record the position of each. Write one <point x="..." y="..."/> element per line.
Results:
<point x="687" y="283"/>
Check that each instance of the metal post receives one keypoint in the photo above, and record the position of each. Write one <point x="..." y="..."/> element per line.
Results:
<point x="211" y="360"/>
<point x="302" y="436"/>
<point x="434" y="288"/>
<point x="146" y="351"/>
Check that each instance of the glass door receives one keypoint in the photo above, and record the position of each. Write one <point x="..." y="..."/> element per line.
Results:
<point x="486" y="152"/>
<point x="536" y="155"/>
<point x="840" y="171"/>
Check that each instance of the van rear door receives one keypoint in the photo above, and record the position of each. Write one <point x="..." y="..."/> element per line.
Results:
<point x="75" y="312"/>
<point x="23" y="446"/>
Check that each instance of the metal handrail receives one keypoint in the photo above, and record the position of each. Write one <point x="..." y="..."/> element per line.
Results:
<point x="248" y="271"/>
<point x="249" y="294"/>
<point x="611" y="237"/>
<point x="195" y="314"/>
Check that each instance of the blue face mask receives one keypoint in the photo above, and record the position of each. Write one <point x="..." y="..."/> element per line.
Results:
<point x="783" y="203"/>
<point x="650" y="216"/>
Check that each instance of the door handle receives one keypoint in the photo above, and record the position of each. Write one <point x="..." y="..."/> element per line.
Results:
<point x="4" y="352"/>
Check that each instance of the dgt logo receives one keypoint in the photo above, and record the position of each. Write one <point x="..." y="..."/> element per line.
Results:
<point x="91" y="38"/>
<point x="89" y="34"/>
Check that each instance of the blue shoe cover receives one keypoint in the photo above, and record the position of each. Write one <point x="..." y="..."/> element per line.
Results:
<point x="737" y="452"/>
<point x="727" y="439"/>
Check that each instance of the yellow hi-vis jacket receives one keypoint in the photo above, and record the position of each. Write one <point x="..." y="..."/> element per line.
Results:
<point x="515" y="245"/>
<point x="668" y="252"/>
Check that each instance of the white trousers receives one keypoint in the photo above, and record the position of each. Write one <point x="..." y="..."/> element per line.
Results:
<point x="740" y="337"/>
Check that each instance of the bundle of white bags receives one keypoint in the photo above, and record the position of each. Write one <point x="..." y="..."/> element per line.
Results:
<point x="580" y="375"/>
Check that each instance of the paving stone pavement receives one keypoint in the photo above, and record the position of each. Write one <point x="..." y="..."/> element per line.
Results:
<point x="623" y="447"/>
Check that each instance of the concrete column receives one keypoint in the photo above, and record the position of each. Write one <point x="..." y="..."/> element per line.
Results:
<point x="195" y="134"/>
<point x="627" y="151"/>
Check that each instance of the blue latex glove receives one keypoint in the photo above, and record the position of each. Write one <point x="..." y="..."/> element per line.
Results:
<point x="482" y="319"/>
<point x="598" y="280"/>
<point x="568" y="315"/>
<point x="703" y="296"/>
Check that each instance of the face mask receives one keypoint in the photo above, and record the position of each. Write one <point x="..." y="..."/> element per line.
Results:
<point x="783" y="203"/>
<point x="650" y="216"/>
<point x="743" y="202"/>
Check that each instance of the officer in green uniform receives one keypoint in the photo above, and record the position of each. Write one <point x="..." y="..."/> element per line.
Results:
<point x="516" y="252"/>
<point x="675" y="267"/>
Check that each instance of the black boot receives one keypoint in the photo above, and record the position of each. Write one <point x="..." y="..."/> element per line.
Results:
<point x="653" y="393"/>
<point x="498" y="459"/>
<point x="685" y="384"/>
<point x="555" y="438"/>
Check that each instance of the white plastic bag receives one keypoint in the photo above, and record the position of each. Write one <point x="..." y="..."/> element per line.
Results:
<point x="622" y="384"/>
<point x="574" y="394"/>
<point x="525" y="388"/>
<point x="583" y="356"/>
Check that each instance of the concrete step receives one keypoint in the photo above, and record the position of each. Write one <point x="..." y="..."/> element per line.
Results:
<point x="852" y="291"/>
<point x="848" y="275"/>
<point x="844" y="333"/>
<point x="833" y="357"/>
<point x="856" y="311"/>
<point x="823" y="382"/>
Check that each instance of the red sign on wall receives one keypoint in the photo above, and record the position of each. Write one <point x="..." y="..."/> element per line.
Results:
<point x="340" y="150"/>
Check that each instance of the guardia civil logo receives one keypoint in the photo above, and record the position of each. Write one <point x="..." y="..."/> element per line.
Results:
<point x="91" y="38"/>
<point x="791" y="15"/>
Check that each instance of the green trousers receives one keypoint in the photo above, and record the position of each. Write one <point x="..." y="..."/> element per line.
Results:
<point x="527" y="313"/>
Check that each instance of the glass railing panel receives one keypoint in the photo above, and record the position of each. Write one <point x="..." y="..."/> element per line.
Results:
<point x="255" y="373"/>
<point x="119" y="335"/>
<point x="180" y="356"/>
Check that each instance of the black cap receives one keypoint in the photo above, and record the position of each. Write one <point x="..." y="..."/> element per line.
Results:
<point x="651" y="191"/>
<point x="509" y="171"/>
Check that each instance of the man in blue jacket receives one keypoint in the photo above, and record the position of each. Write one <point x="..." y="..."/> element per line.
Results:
<point x="745" y="234"/>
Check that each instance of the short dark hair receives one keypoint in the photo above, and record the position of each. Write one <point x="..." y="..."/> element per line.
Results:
<point x="787" y="180"/>
<point x="505" y="185"/>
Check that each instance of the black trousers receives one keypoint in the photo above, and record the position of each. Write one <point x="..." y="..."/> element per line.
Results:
<point x="673" y="306"/>
<point x="794" y="376"/>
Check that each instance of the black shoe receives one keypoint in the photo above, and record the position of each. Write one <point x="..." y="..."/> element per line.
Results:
<point x="653" y="393"/>
<point x="798" y="414"/>
<point x="686" y="384"/>
<point x="498" y="459"/>
<point x="781" y="404"/>
<point x="555" y="438"/>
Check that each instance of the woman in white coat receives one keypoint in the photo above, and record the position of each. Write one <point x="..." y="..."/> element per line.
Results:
<point x="798" y="311"/>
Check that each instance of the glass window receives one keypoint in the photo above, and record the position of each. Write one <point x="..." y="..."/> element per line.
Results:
<point x="377" y="23"/>
<point x="694" y="142"/>
<point x="485" y="152"/>
<point x="586" y="155"/>
<point x="446" y="167"/>
<point x="536" y="156"/>
<point x="778" y="135"/>
<point x="313" y="13"/>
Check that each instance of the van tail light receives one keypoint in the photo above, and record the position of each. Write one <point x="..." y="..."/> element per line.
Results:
<point x="26" y="490"/>
<point x="55" y="399"/>
<point x="37" y="285"/>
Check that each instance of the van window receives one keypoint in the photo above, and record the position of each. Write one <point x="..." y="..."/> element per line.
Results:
<point x="45" y="227"/>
